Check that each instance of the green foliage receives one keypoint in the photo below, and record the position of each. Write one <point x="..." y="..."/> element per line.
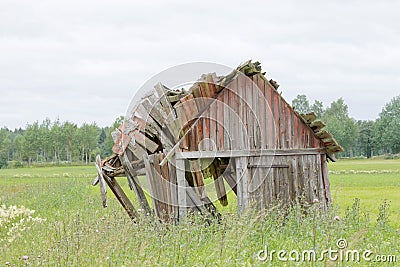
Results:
<point x="343" y="128"/>
<point x="5" y="146"/>
<point x="387" y="129"/>
<point x="55" y="142"/>
<point x="301" y="104"/>
<point x="318" y="108"/>
<point x="365" y="141"/>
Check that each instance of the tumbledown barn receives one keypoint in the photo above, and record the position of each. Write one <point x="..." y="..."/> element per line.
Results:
<point x="225" y="133"/>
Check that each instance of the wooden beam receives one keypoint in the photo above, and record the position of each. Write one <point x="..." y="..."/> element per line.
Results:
<point x="309" y="117"/>
<point x="135" y="184"/>
<point x="121" y="196"/>
<point x="144" y="141"/>
<point x="102" y="183"/>
<point x="248" y="153"/>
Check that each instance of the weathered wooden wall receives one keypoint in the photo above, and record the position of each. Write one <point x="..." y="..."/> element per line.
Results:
<point x="248" y="114"/>
<point x="237" y="130"/>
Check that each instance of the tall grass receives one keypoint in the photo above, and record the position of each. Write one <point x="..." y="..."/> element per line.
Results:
<point x="76" y="231"/>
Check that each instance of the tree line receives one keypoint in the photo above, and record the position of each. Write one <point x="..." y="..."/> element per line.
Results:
<point x="365" y="138"/>
<point x="55" y="142"/>
<point x="66" y="142"/>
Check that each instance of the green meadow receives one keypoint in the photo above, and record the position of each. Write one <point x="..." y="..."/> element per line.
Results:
<point x="53" y="217"/>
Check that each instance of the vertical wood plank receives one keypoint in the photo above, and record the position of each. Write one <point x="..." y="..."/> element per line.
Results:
<point x="325" y="179"/>
<point x="320" y="183"/>
<point x="242" y="183"/>
<point x="256" y="108"/>
<point x="282" y="130"/>
<point x="241" y="107"/>
<point x="290" y="130"/>
<point x="220" y="121"/>
<point x="263" y="111"/>
<point x="173" y="189"/>
<point x="296" y="132"/>
<point x="181" y="181"/>
<point x="277" y="119"/>
<point x="293" y="179"/>
<point x="227" y="121"/>
<point x="234" y="123"/>
<point x="198" y="130"/>
<point x="213" y="125"/>
<point x="249" y="112"/>
<point x="160" y="189"/>
<point x="130" y="173"/>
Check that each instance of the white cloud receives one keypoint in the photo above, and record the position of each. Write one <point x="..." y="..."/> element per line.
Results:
<point x="73" y="58"/>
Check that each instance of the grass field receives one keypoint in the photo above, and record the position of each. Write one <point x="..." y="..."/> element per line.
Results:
<point x="53" y="217"/>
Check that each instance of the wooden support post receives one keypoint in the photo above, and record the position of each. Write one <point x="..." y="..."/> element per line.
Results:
<point x="174" y="190"/>
<point x="151" y="183"/>
<point x="122" y="198"/>
<point x="181" y="181"/>
<point x="325" y="180"/>
<point x="102" y="183"/>
<point x="130" y="173"/>
<point x="242" y="183"/>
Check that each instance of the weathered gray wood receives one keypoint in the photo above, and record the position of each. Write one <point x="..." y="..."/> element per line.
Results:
<point x="135" y="184"/>
<point x="241" y="114"/>
<point x="102" y="183"/>
<point x="166" y="105"/>
<point x="325" y="179"/>
<point x="213" y="126"/>
<point x="181" y="181"/>
<point x="220" y="122"/>
<point x="174" y="98"/>
<point x="121" y="197"/>
<point x="137" y="150"/>
<point x="263" y="104"/>
<point x="155" y="112"/>
<point x="227" y="121"/>
<point x="248" y="95"/>
<point x="247" y="153"/>
<point x="282" y="166"/>
<point x="320" y="183"/>
<point x="151" y="183"/>
<point x="161" y="189"/>
<point x="257" y="115"/>
<point x="174" y="190"/>
<point x="242" y="184"/>
<point x="145" y="142"/>
<point x="295" y="197"/>
<point x="281" y="124"/>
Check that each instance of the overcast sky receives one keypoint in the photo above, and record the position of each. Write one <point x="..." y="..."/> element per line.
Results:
<point x="84" y="60"/>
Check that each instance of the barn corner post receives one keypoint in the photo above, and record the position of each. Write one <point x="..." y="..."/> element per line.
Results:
<point x="179" y="138"/>
<point x="242" y="184"/>
<point x="181" y="184"/>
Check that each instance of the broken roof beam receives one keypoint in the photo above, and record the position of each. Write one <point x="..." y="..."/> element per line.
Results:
<point x="309" y="117"/>
<point x="317" y="125"/>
